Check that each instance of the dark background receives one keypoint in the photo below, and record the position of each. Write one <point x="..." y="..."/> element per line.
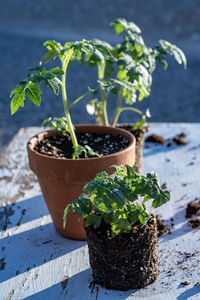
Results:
<point x="25" y="24"/>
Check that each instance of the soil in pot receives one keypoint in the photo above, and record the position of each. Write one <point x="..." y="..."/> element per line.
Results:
<point x="125" y="261"/>
<point x="139" y="136"/>
<point x="60" y="145"/>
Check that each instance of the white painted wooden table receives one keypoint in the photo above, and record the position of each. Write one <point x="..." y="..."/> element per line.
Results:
<point x="37" y="263"/>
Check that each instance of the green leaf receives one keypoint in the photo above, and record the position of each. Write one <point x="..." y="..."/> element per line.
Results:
<point x="140" y="123"/>
<point x="121" y="25"/>
<point x="36" y="69"/>
<point x="54" y="49"/>
<point x="78" y="151"/>
<point x="134" y="216"/>
<point x="121" y="225"/>
<point x="57" y="124"/>
<point x="176" y="52"/>
<point x="116" y="196"/>
<point x="85" y="204"/>
<point x="91" y="152"/>
<point x="94" y="220"/>
<point x="56" y="71"/>
<point x="108" y="69"/>
<point x="130" y="172"/>
<point x="161" y="199"/>
<point x="18" y="99"/>
<point x="33" y="92"/>
<point x="52" y="83"/>
<point x="66" y="211"/>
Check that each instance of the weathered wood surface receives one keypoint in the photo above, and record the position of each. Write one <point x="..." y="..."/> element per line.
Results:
<point x="37" y="263"/>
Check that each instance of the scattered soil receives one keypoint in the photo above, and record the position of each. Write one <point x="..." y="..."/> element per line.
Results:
<point x="60" y="146"/>
<point x="179" y="141"/>
<point x="164" y="186"/>
<point x="185" y="283"/>
<point x="126" y="261"/>
<point x="158" y="139"/>
<point x="195" y="222"/>
<point x="64" y="282"/>
<point x="162" y="227"/>
<point x="155" y="138"/>
<point x="193" y="208"/>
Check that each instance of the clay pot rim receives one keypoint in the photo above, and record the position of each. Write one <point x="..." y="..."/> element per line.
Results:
<point x="132" y="140"/>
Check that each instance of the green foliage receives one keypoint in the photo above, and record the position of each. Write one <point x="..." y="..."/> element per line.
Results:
<point x="135" y="64"/>
<point x="118" y="199"/>
<point x="58" y="124"/>
<point x="85" y="150"/>
<point x="95" y="51"/>
<point x="19" y="94"/>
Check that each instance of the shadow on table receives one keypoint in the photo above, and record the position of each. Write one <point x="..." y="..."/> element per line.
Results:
<point x="33" y="244"/>
<point x="178" y="218"/>
<point x="79" y="287"/>
<point x="22" y="212"/>
<point x="154" y="149"/>
<point x="195" y="290"/>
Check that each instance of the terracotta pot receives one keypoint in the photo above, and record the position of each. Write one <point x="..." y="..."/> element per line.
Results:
<point x="125" y="261"/>
<point x="139" y="136"/>
<point x="62" y="180"/>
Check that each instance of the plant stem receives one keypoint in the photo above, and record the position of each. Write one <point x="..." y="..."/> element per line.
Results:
<point x="66" y="109"/>
<point x="132" y="109"/>
<point x="101" y="69"/>
<point x="118" y="109"/>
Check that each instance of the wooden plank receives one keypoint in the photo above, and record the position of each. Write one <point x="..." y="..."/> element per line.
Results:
<point x="37" y="263"/>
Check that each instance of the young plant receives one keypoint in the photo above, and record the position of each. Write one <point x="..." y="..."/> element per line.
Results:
<point x="135" y="65"/>
<point x="118" y="199"/>
<point x="55" y="79"/>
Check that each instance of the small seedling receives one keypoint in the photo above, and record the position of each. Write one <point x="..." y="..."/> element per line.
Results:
<point x="118" y="199"/>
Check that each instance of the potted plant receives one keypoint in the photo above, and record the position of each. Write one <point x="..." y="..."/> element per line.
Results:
<point x="135" y="63"/>
<point x="121" y="233"/>
<point x="68" y="156"/>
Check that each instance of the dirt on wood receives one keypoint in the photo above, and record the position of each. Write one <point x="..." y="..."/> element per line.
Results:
<point x="155" y="138"/>
<point x="162" y="227"/>
<point x="193" y="208"/>
<point x="194" y="222"/>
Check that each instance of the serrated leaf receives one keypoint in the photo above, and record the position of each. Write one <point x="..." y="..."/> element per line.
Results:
<point x="116" y="196"/>
<point x="121" y="225"/>
<point x="18" y="99"/>
<point x="54" y="49"/>
<point x="134" y="216"/>
<point x="56" y="71"/>
<point x="33" y="92"/>
<point x="66" y="211"/>
<point x="85" y="204"/>
<point x="94" y="220"/>
<point x="121" y="24"/>
<point x="36" y="69"/>
<point x="52" y="84"/>
<point x="130" y="172"/>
